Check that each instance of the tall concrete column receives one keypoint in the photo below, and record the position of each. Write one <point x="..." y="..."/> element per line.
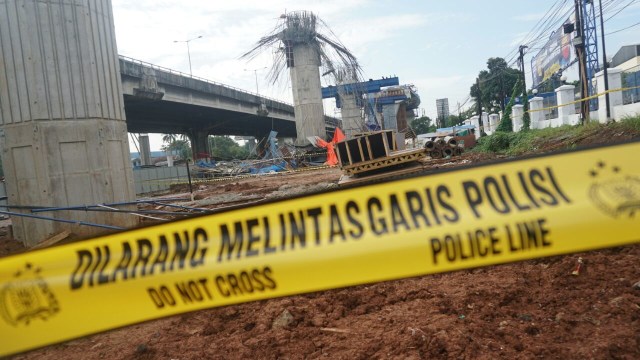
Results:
<point x="615" y="98"/>
<point x="145" y="149"/>
<point x="475" y="121"/>
<point x="63" y="131"/>
<point x="493" y="122"/>
<point x="517" y="113"/>
<point x="307" y="93"/>
<point x="485" y="122"/>
<point x="200" y="144"/>
<point x="565" y="95"/>
<point x="536" y="116"/>
<point x="390" y="116"/>
<point x="352" y="121"/>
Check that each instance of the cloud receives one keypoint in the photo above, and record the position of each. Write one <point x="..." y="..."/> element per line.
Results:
<point x="529" y="17"/>
<point x="454" y="87"/>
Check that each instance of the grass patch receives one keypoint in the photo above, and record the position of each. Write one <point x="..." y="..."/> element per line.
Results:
<point x="631" y="123"/>
<point x="511" y="144"/>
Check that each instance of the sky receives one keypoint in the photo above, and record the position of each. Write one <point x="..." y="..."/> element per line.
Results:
<point x="438" y="46"/>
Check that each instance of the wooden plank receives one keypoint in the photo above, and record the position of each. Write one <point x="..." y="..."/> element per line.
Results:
<point x="346" y="146"/>
<point x="360" y="148"/>
<point x="398" y="157"/>
<point x="52" y="240"/>
<point x="351" y="179"/>
<point x="369" y="147"/>
<point x="385" y="141"/>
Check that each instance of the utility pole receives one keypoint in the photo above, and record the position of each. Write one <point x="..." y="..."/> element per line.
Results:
<point x="604" y="65"/>
<point x="578" y="41"/>
<point x="521" y="63"/>
<point x="479" y="102"/>
<point x="525" y="100"/>
<point x="501" y="93"/>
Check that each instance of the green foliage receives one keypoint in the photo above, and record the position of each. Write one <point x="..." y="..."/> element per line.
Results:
<point x="506" y="124"/>
<point x="177" y="145"/>
<point x="497" y="142"/>
<point x="454" y="120"/>
<point x="510" y="143"/>
<point x="526" y="120"/>
<point x="423" y="125"/>
<point x="225" y="148"/>
<point x="181" y="148"/>
<point x="631" y="123"/>
<point x="494" y="83"/>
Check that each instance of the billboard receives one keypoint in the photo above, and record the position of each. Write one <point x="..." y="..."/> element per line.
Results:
<point x="557" y="54"/>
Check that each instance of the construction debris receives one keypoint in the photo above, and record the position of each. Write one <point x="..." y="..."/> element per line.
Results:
<point x="439" y="147"/>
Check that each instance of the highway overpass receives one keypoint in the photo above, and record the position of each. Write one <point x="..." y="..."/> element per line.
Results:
<point x="161" y="100"/>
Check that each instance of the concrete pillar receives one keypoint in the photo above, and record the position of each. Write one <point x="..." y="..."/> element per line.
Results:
<point x="145" y="150"/>
<point x="200" y="148"/>
<point x="63" y="130"/>
<point x="517" y="112"/>
<point x="352" y="121"/>
<point x="475" y="121"/>
<point x="390" y="116"/>
<point x="493" y="122"/>
<point x="307" y="93"/>
<point x="536" y="116"/>
<point x="485" y="122"/>
<point x="565" y="95"/>
<point x="615" y="98"/>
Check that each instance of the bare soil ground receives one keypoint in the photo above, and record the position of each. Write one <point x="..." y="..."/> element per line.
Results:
<point x="528" y="310"/>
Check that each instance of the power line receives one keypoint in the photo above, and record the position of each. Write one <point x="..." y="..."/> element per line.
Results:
<point x="628" y="27"/>
<point x="624" y="7"/>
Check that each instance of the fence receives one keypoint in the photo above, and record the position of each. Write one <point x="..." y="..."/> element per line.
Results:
<point x="550" y="103"/>
<point x="157" y="179"/>
<point x="631" y="79"/>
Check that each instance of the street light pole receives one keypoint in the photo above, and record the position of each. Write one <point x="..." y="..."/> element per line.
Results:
<point x="188" y="50"/>
<point x="255" y="72"/>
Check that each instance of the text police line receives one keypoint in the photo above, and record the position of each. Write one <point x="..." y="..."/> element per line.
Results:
<point x="427" y="207"/>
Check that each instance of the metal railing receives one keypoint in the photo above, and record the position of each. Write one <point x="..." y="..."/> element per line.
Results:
<point x="631" y="79"/>
<point x="180" y="73"/>
<point x="550" y="102"/>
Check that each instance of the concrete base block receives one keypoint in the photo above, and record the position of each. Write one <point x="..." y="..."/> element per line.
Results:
<point x="66" y="163"/>
<point x="572" y="119"/>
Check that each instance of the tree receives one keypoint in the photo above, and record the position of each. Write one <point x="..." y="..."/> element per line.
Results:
<point x="181" y="148"/>
<point x="423" y="125"/>
<point x="494" y="84"/>
<point x="224" y="147"/>
<point x="168" y="139"/>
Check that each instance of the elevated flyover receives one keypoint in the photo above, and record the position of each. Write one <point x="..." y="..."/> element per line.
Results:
<point x="161" y="100"/>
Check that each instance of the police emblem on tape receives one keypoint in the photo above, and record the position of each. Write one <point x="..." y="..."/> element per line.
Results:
<point x="613" y="192"/>
<point x="27" y="297"/>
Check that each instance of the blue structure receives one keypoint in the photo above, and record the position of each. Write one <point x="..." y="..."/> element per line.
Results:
<point x="590" y="46"/>
<point x="365" y="87"/>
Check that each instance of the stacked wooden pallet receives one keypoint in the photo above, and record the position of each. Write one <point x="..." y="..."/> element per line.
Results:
<point x="374" y="151"/>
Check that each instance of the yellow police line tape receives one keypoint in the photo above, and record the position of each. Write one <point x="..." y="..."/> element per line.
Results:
<point x="585" y="99"/>
<point x="459" y="219"/>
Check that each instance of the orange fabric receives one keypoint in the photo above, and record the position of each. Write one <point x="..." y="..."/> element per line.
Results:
<point x="332" y="159"/>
